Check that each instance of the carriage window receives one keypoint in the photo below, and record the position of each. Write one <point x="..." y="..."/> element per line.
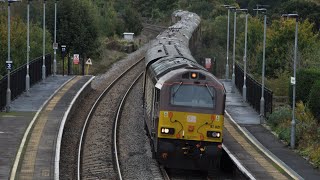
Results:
<point x="193" y="95"/>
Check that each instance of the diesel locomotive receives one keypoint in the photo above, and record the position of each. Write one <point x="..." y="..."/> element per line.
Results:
<point x="183" y="103"/>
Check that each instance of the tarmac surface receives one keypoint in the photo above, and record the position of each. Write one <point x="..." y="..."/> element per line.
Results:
<point x="23" y="109"/>
<point x="30" y="130"/>
<point x="249" y="121"/>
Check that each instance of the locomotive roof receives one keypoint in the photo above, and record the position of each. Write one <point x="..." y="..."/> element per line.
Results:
<point x="165" y="65"/>
<point x="170" y="50"/>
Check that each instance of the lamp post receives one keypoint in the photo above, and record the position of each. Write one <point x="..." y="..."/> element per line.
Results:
<point x="9" y="61"/>
<point x="244" y="87"/>
<point x="261" y="6"/>
<point x="293" y="80"/>
<point x="234" y="49"/>
<point x="28" y="50"/>
<point x="228" y="29"/>
<point x="263" y="10"/>
<point x="44" y="42"/>
<point x="55" y="45"/>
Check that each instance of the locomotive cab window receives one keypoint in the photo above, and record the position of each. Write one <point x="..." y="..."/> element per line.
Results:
<point x="193" y="95"/>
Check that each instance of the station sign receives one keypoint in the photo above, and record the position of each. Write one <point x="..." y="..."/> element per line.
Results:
<point x="9" y="65"/>
<point x="207" y="63"/>
<point x="55" y="45"/>
<point x="63" y="48"/>
<point x="76" y="59"/>
<point x="293" y="80"/>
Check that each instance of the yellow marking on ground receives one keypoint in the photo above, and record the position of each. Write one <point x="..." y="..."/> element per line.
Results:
<point x="253" y="152"/>
<point x="29" y="158"/>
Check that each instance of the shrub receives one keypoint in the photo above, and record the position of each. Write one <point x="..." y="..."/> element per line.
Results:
<point x="314" y="99"/>
<point x="284" y="132"/>
<point x="279" y="85"/>
<point x="306" y="126"/>
<point x="279" y="116"/>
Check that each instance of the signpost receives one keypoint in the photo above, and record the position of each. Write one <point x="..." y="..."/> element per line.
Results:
<point x="208" y="63"/>
<point x="63" y="52"/>
<point x="88" y="63"/>
<point x="9" y="65"/>
<point x="76" y="59"/>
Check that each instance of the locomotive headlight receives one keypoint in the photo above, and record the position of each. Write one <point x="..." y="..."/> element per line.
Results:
<point x="194" y="75"/>
<point x="213" y="134"/>
<point x="165" y="130"/>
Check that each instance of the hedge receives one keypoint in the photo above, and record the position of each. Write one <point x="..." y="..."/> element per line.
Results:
<point x="305" y="78"/>
<point x="314" y="99"/>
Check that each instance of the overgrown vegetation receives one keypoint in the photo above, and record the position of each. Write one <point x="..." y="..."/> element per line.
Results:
<point x="307" y="130"/>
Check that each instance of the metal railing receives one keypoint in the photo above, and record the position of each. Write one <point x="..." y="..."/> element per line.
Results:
<point x="254" y="91"/>
<point x="18" y="78"/>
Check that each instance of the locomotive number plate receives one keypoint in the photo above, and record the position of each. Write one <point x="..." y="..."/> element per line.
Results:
<point x="192" y="119"/>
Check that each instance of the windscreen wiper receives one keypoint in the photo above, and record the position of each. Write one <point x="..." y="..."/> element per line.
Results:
<point x="174" y="93"/>
<point x="209" y="91"/>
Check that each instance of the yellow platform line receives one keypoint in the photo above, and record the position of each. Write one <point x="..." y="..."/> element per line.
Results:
<point x="29" y="158"/>
<point x="253" y="152"/>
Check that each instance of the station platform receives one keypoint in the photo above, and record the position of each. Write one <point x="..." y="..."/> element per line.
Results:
<point x="248" y="122"/>
<point x="30" y="132"/>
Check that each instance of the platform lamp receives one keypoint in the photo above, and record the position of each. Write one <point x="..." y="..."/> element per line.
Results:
<point x="234" y="50"/>
<point x="293" y="80"/>
<point x="228" y="35"/>
<point x="263" y="10"/>
<point x="28" y="49"/>
<point x="261" y="6"/>
<point x="244" y="87"/>
<point x="55" y="44"/>
<point x="44" y="42"/>
<point x="9" y="61"/>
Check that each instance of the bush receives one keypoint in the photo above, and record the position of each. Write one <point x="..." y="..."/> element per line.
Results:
<point x="314" y="99"/>
<point x="280" y="85"/>
<point x="279" y="116"/>
<point x="304" y="82"/>
<point x="306" y="126"/>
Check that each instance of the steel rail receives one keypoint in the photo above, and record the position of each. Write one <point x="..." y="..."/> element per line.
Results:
<point x="92" y="110"/>
<point x="115" y="128"/>
<point x="164" y="173"/>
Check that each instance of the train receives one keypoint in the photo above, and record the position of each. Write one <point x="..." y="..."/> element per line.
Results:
<point x="183" y="103"/>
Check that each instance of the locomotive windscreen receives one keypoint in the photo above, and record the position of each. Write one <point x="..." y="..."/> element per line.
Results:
<point x="192" y="95"/>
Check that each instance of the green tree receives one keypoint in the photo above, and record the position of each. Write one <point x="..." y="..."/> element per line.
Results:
<point x="18" y="41"/>
<point x="78" y="26"/>
<point x="254" y="44"/>
<point x="306" y="10"/>
<point x="280" y="46"/>
<point x="132" y="21"/>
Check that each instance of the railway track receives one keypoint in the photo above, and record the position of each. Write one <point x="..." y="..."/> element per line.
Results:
<point x="96" y="153"/>
<point x="73" y="126"/>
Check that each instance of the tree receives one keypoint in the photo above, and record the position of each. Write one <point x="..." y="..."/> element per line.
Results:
<point x="77" y="26"/>
<point x="18" y="38"/>
<point x="305" y="9"/>
<point x="280" y="46"/>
